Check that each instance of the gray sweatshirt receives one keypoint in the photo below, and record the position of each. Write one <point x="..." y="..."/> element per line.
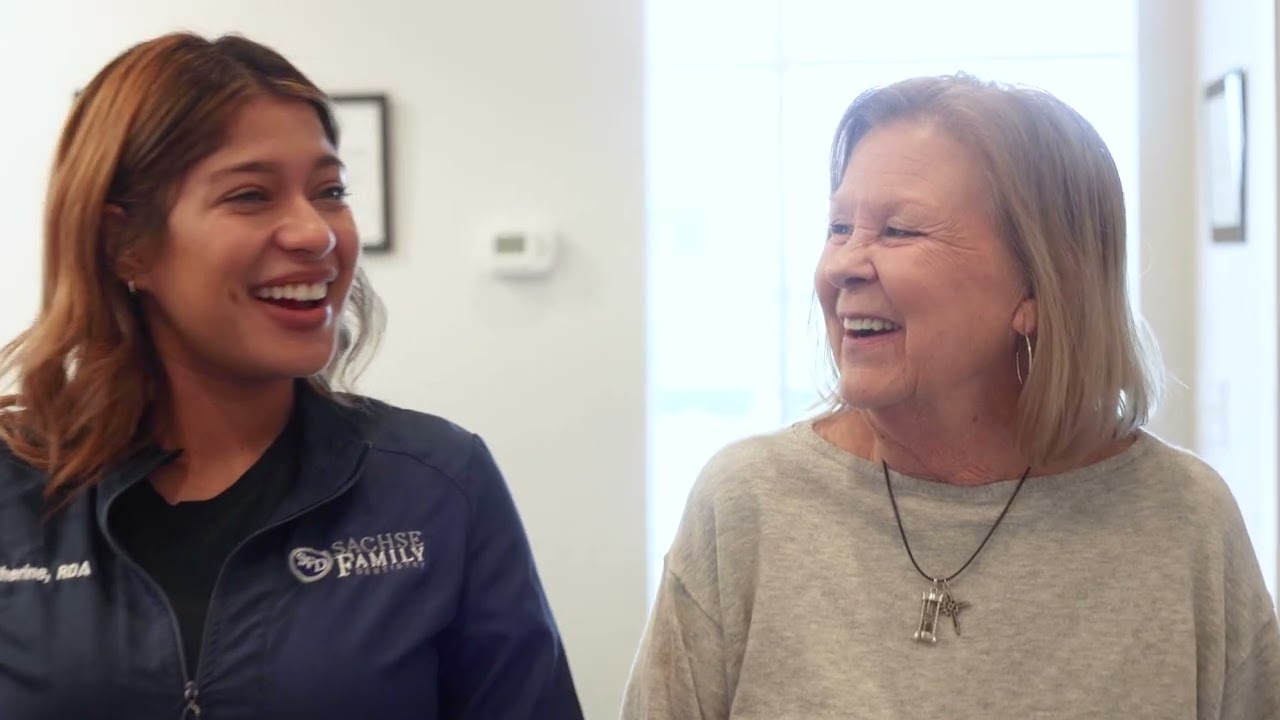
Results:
<point x="1125" y="589"/>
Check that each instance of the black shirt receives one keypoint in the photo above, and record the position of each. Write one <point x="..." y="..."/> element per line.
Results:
<point x="183" y="547"/>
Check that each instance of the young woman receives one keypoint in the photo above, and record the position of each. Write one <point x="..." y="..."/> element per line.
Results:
<point x="192" y="521"/>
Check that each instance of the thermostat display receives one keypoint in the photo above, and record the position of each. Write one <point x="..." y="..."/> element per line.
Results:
<point x="522" y="254"/>
<point x="507" y="244"/>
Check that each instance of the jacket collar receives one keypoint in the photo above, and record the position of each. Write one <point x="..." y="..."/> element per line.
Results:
<point x="333" y="446"/>
<point x="123" y="476"/>
<point x="335" y="440"/>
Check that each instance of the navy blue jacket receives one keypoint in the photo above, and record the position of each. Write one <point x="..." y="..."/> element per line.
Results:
<point x="394" y="582"/>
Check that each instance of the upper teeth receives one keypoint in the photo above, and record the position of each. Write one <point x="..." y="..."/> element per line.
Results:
<point x="314" y="291"/>
<point x="874" y="324"/>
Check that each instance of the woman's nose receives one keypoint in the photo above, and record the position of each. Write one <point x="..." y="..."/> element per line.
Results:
<point x="306" y="230"/>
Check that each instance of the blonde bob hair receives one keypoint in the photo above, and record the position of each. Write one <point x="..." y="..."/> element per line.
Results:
<point x="1057" y="200"/>
<point x="85" y="378"/>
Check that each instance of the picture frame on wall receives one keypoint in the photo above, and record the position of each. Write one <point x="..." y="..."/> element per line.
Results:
<point x="1225" y="145"/>
<point x="363" y="132"/>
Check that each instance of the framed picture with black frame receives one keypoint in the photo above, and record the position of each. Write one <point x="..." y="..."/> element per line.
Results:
<point x="363" y="145"/>
<point x="1225" y="157"/>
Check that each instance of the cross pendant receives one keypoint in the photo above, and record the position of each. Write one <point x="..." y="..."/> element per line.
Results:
<point x="952" y="608"/>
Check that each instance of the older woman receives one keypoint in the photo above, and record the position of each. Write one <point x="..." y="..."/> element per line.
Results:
<point x="980" y="527"/>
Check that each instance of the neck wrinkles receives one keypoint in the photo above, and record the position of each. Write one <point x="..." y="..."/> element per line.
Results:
<point x="978" y="452"/>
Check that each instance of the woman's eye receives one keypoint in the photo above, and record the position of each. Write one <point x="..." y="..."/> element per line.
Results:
<point x="248" y="197"/>
<point x="894" y="232"/>
<point x="335" y="192"/>
<point x="836" y="228"/>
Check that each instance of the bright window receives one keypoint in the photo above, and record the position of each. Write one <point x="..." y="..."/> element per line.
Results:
<point x="743" y="100"/>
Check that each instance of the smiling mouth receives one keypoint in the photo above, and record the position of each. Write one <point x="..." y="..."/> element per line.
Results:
<point x="299" y="296"/>
<point x="869" y="327"/>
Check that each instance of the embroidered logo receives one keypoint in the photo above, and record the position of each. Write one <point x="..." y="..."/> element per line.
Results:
<point x="309" y="564"/>
<point x="369" y="555"/>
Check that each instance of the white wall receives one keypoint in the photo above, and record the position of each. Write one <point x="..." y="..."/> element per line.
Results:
<point x="500" y="108"/>
<point x="1236" y="383"/>
<point x="1166" y="208"/>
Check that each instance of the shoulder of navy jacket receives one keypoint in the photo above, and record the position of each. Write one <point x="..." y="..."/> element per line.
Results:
<point x="430" y="439"/>
<point x="21" y="490"/>
<point x="16" y="475"/>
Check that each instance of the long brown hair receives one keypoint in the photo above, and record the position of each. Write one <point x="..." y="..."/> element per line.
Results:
<point x="85" y="376"/>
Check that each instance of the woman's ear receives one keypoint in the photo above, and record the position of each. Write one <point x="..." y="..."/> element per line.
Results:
<point x="125" y="261"/>
<point x="1026" y="318"/>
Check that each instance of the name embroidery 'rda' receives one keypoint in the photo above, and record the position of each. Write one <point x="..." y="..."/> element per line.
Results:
<point x="33" y="574"/>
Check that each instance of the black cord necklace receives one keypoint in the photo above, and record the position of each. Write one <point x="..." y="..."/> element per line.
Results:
<point x="938" y="599"/>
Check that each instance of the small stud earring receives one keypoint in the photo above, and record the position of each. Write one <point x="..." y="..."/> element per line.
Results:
<point x="133" y="289"/>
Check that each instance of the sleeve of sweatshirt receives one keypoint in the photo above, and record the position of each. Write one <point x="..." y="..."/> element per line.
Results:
<point x="1251" y="679"/>
<point x="680" y="668"/>
<point x="1252" y="686"/>
<point x="1251" y="633"/>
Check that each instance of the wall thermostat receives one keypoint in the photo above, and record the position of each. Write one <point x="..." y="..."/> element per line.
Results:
<point x="522" y="253"/>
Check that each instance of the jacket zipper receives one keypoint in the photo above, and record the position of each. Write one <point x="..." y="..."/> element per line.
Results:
<point x="190" y="687"/>
<point x="190" y="692"/>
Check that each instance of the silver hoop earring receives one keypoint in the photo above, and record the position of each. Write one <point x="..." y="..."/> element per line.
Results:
<point x="1017" y="365"/>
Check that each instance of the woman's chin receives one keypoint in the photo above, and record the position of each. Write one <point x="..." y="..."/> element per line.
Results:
<point x="292" y="365"/>
<point x="860" y="394"/>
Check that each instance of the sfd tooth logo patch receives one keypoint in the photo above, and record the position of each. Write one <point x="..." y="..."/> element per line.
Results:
<point x="309" y="564"/>
<point x="359" y="556"/>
